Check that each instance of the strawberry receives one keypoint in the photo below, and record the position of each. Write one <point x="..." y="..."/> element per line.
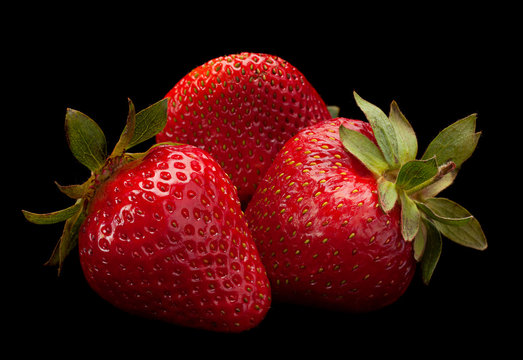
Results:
<point x="242" y="108"/>
<point x="345" y="212"/>
<point x="160" y="234"/>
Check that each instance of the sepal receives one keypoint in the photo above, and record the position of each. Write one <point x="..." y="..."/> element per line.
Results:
<point x="416" y="173"/>
<point x="383" y="129"/>
<point x="53" y="217"/>
<point x="334" y="111"/>
<point x="364" y="150"/>
<point x="74" y="191"/>
<point x="388" y="194"/>
<point x="406" y="137"/>
<point x="467" y="231"/>
<point x="410" y="217"/>
<point x="68" y="240"/>
<point x="85" y="139"/>
<point x="432" y="251"/>
<point x="455" y="143"/>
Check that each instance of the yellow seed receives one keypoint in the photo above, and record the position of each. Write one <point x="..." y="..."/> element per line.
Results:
<point x="305" y="211"/>
<point x="307" y="241"/>
<point x="308" y="224"/>
<point x="317" y="194"/>
<point x="325" y="240"/>
<point x="352" y="235"/>
<point x="337" y="156"/>
<point x="339" y="205"/>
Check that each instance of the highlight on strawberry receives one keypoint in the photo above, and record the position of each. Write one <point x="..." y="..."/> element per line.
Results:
<point x="160" y="234"/>
<point x="346" y="210"/>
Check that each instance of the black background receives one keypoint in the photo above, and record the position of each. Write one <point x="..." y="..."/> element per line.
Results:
<point x="439" y="63"/>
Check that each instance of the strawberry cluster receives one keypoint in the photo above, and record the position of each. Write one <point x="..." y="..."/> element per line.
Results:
<point x="256" y="190"/>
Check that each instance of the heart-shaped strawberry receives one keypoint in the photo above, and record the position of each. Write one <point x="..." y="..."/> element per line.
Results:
<point x="346" y="210"/>
<point x="160" y="234"/>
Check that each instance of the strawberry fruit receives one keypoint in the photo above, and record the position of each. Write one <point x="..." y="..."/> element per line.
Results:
<point x="346" y="211"/>
<point x="160" y="234"/>
<point x="242" y="108"/>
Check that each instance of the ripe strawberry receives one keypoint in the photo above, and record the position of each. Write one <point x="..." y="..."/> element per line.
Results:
<point x="345" y="210"/>
<point x="161" y="234"/>
<point x="242" y="108"/>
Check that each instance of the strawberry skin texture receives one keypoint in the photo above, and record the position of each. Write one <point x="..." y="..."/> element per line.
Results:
<point x="321" y="233"/>
<point x="165" y="238"/>
<point x="242" y="108"/>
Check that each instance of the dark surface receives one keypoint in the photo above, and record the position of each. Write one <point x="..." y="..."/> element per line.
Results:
<point x="438" y="70"/>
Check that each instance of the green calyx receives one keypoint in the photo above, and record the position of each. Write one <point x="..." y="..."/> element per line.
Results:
<point x="414" y="183"/>
<point x="88" y="144"/>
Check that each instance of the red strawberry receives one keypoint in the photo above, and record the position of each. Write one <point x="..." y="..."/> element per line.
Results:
<point x="242" y="108"/>
<point x="345" y="210"/>
<point x="161" y="234"/>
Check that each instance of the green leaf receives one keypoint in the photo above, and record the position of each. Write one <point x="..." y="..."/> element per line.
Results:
<point x="383" y="130"/>
<point x="405" y="135"/>
<point x="86" y="140"/>
<point x="128" y="132"/>
<point x="419" y="243"/>
<point x="410" y="217"/>
<point x="431" y="253"/>
<point x="388" y="194"/>
<point x="455" y="143"/>
<point x="68" y="240"/>
<point x="74" y="191"/>
<point x="416" y="172"/>
<point x="334" y="111"/>
<point x="443" y="219"/>
<point x="364" y="150"/>
<point x="149" y="122"/>
<point x="53" y="217"/>
<point x="469" y="234"/>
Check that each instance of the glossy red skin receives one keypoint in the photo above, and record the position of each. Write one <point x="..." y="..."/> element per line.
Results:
<point x="165" y="238"/>
<point x="242" y="108"/>
<point x="321" y="234"/>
